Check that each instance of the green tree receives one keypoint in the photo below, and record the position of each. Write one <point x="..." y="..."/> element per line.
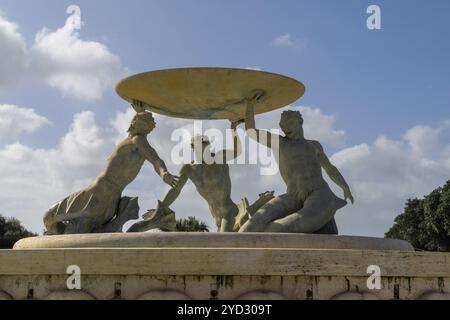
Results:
<point x="12" y="230"/>
<point x="425" y="223"/>
<point x="191" y="224"/>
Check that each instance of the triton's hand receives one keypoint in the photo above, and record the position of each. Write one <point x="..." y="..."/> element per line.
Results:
<point x="348" y="195"/>
<point x="171" y="180"/>
<point x="139" y="106"/>
<point x="255" y="96"/>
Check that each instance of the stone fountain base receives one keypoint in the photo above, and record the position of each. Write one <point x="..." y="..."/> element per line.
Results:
<point x="223" y="266"/>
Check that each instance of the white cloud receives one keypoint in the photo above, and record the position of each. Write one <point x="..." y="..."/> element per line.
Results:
<point x="284" y="40"/>
<point x="61" y="59"/>
<point x="255" y="68"/>
<point x="423" y="139"/>
<point x="287" y="41"/>
<point x="121" y="123"/>
<point x="15" y="120"/>
<point x="82" y="69"/>
<point x="13" y="52"/>
<point x="85" y="143"/>
<point x="384" y="174"/>
<point x="319" y="126"/>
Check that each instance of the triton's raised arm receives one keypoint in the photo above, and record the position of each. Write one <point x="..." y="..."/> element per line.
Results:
<point x="332" y="171"/>
<point x="261" y="136"/>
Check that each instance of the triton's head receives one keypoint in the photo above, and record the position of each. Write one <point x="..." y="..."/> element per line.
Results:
<point x="142" y="123"/>
<point x="291" y="123"/>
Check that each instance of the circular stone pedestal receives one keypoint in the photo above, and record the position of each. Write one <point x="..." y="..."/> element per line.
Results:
<point x="212" y="240"/>
<point x="226" y="266"/>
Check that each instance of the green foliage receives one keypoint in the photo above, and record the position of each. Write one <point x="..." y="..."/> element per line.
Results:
<point x="191" y="224"/>
<point x="425" y="223"/>
<point x="12" y="228"/>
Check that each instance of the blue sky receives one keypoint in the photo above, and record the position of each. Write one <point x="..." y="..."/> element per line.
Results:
<point x="372" y="82"/>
